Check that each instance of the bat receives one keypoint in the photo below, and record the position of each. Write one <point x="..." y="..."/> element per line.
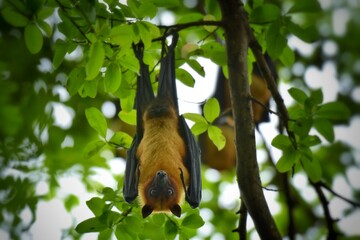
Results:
<point x="225" y="159"/>
<point x="163" y="162"/>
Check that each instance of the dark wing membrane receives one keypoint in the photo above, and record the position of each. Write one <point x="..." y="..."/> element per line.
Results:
<point x="144" y="94"/>
<point x="192" y="163"/>
<point x="131" y="180"/>
<point x="167" y="78"/>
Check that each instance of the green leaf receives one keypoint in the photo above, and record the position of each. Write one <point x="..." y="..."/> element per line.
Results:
<point x="317" y="96"/>
<point x="124" y="233"/>
<point x="298" y="95"/>
<point x="96" y="120"/>
<point x="14" y="17"/>
<point x="193" y="221"/>
<point x="147" y="9"/>
<point x="199" y="128"/>
<point x="333" y="111"/>
<point x="97" y="206"/>
<point x="90" y="225"/>
<point x="93" y="148"/>
<point x="70" y="202"/>
<point x="96" y="60"/>
<point x="195" y="117"/>
<point x="45" y="27"/>
<point x="89" y="88"/>
<point x="211" y="109"/>
<point x="130" y="62"/>
<point x="287" y="57"/>
<point x="61" y="48"/>
<point x="170" y="229"/>
<point x="302" y="126"/>
<point x="312" y="169"/>
<point x="33" y="38"/>
<point x="310" y="141"/>
<point x="210" y="28"/>
<point x="325" y="128"/>
<point x="75" y="80"/>
<point x="305" y="6"/>
<point x="217" y="137"/>
<point x="215" y="51"/>
<point x="105" y="234"/>
<point x="121" y="139"/>
<point x="281" y="142"/>
<point x="122" y="35"/>
<point x="185" y="77"/>
<point x="45" y="12"/>
<point x="265" y="14"/>
<point x="112" y="77"/>
<point x="309" y="34"/>
<point x="190" y="17"/>
<point x="128" y="117"/>
<point x="196" y="66"/>
<point x="166" y="3"/>
<point x="287" y="160"/>
<point x="275" y="40"/>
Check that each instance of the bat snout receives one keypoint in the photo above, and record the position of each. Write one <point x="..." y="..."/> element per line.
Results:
<point x="161" y="173"/>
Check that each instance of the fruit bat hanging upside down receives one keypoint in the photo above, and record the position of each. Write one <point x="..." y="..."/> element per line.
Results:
<point x="163" y="162"/>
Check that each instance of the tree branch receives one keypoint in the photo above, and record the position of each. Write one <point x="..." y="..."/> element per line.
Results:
<point x="353" y="203"/>
<point x="330" y="222"/>
<point x="178" y="27"/>
<point x="242" y="222"/>
<point x="247" y="168"/>
<point x="267" y="75"/>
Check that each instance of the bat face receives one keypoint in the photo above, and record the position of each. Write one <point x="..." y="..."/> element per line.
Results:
<point x="162" y="195"/>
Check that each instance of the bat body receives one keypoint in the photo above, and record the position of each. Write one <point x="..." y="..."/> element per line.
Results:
<point x="225" y="159"/>
<point x="163" y="163"/>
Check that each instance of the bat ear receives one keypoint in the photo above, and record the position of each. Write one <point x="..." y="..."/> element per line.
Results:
<point x="146" y="210"/>
<point x="176" y="210"/>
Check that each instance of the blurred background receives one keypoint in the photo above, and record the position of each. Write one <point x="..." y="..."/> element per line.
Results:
<point x="45" y="180"/>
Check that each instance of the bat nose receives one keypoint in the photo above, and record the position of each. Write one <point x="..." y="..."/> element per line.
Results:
<point x="161" y="173"/>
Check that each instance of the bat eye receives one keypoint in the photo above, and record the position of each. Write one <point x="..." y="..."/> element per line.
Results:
<point x="153" y="192"/>
<point x="169" y="192"/>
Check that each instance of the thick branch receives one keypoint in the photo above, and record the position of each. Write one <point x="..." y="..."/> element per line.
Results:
<point x="268" y="76"/>
<point x="247" y="168"/>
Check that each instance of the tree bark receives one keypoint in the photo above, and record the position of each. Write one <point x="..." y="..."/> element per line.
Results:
<point x="248" y="177"/>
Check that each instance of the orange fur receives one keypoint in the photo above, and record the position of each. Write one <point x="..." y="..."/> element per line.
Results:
<point x="161" y="148"/>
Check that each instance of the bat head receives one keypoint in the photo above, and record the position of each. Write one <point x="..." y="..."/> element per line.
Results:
<point x="162" y="194"/>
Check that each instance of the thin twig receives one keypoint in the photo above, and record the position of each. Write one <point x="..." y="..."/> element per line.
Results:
<point x="63" y="8"/>
<point x="178" y="27"/>
<point x="353" y="203"/>
<point x="241" y="230"/>
<point x="83" y="15"/>
<point x="330" y="222"/>
<point x="264" y="106"/>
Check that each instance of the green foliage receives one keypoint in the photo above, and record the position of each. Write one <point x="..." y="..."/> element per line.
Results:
<point x="309" y="113"/>
<point x="206" y="123"/>
<point x="113" y="216"/>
